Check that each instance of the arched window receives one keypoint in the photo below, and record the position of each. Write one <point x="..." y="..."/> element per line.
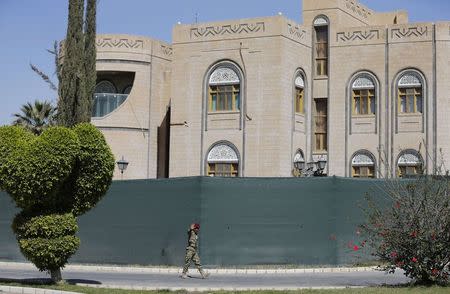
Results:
<point x="224" y="90"/>
<point x="105" y="87"/>
<point x="321" y="45"/>
<point x="410" y="93"/>
<point x="363" y="165"/>
<point x="223" y="161"/>
<point x="106" y="99"/>
<point x="363" y="95"/>
<point x="409" y="163"/>
<point x="299" y="95"/>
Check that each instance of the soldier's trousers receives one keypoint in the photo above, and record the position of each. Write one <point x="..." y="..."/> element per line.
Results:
<point x="192" y="255"/>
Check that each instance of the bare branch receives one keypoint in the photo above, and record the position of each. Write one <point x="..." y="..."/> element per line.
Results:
<point x="44" y="77"/>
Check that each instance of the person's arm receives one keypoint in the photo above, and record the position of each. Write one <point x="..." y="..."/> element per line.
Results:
<point x="192" y="240"/>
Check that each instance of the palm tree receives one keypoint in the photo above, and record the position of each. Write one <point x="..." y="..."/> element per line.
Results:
<point x="36" y="117"/>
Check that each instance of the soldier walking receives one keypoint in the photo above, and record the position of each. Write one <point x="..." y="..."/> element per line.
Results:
<point x="191" y="252"/>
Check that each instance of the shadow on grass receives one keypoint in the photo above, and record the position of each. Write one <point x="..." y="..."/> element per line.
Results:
<point x="46" y="281"/>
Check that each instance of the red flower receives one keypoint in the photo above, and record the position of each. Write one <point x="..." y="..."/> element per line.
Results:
<point x="393" y="254"/>
<point x="397" y="204"/>
<point x="400" y="264"/>
<point x="414" y="259"/>
<point x="414" y="234"/>
<point x="355" y="248"/>
<point x="435" y="272"/>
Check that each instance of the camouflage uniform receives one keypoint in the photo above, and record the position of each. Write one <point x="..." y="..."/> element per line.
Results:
<point x="191" y="254"/>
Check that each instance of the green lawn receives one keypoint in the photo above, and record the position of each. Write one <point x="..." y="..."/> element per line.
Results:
<point x="374" y="290"/>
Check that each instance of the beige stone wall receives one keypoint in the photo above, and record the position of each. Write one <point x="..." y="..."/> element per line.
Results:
<point x="267" y="53"/>
<point x="443" y="92"/>
<point x="131" y="129"/>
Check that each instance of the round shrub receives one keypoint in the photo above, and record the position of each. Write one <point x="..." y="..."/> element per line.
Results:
<point x="48" y="241"/>
<point x="49" y="254"/>
<point x="44" y="226"/>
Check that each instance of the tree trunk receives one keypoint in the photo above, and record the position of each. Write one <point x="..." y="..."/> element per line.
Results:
<point x="56" y="276"/>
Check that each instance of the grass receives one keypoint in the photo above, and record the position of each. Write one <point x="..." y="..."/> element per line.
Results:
<point x="371" y="290"/>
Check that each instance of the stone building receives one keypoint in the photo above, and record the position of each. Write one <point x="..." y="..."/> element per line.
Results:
<point x="367" y="93"/>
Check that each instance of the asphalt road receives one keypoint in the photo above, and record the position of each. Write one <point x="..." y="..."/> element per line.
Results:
<point x="215" y="281"/>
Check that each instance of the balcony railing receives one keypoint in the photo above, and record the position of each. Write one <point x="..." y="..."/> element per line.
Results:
<point x="105" y="103"/>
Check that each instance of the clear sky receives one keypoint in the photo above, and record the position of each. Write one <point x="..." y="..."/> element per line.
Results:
<point x="28" y="27"/>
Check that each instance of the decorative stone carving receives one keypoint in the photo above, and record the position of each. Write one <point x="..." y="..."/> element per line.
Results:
<point x="234" y="29"/>
<point x="357" y="36"/>
<point x="409" y="159"/>
<point x="222" y="153"/>
<point x="105" y="87"/>
<point x="299" y="157"/>
<point x="296" y="31"/>
<point x="357" y="9"/>
<point x="415" y="32"/>
<point x="166" y="50"/>
<point x="224" y="75"/>
<point x="299" y="82"/>
<point x="320" y="21"/>
<point x="363" y="82"/>
<point x="127" y="90"/>
<point x="410" y="80"/>
<point x="119" y="43"/>
<point x="362" y="159"/>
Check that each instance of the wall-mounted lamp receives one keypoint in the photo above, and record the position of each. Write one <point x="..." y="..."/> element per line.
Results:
<point x="122" y="165"/>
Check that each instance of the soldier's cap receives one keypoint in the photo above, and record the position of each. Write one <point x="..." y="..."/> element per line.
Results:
<point x="196" y="226"/>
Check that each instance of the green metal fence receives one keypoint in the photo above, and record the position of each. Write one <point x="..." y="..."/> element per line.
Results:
<point x="244" y="221"/>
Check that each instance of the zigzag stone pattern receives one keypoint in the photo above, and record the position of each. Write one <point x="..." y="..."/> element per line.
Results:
<point x="232" y="29"/>
<point x="119" y="43"/>
<point x="357" y="36"/>
<point x="416" y="32"/>
<point x="357" y="9"/>
<point x="296" y="31"/>
<point x="166" y="50"/>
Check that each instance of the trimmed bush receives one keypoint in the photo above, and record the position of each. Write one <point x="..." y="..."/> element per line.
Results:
<point x="53" y="177"/>
<point x="33" y="172"/>
<point x="95" y="169"/>
<point x="48" y="241"/>
<point x="45" y="226"/>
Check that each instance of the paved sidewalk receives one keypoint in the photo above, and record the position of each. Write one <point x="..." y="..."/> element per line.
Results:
<point x="143" y="278"/>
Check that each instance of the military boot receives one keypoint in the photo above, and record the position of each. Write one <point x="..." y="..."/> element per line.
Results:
<point x="183" y="276"/>
<point x="204" y="274"/>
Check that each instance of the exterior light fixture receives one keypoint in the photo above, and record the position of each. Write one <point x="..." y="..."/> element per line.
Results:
<point x="122" y="165"/>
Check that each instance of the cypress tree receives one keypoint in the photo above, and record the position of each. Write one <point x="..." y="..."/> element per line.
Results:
<point x="71" y="85"/>
<point x="90" y="58"/>
<point x="78" y="72"/>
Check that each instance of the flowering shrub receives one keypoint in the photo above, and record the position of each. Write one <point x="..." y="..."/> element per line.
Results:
<point x="413" y="231"/>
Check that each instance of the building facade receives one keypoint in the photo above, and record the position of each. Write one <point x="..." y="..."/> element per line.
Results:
<point x="363" y="91"/>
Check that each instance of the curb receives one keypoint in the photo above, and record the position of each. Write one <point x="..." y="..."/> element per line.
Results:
<point x="215" y="289"/>
<point x="165" y="270"/>
<point x="22" y="290"/>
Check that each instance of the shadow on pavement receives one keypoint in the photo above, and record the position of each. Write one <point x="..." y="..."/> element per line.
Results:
<point x="45" y="281"/>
